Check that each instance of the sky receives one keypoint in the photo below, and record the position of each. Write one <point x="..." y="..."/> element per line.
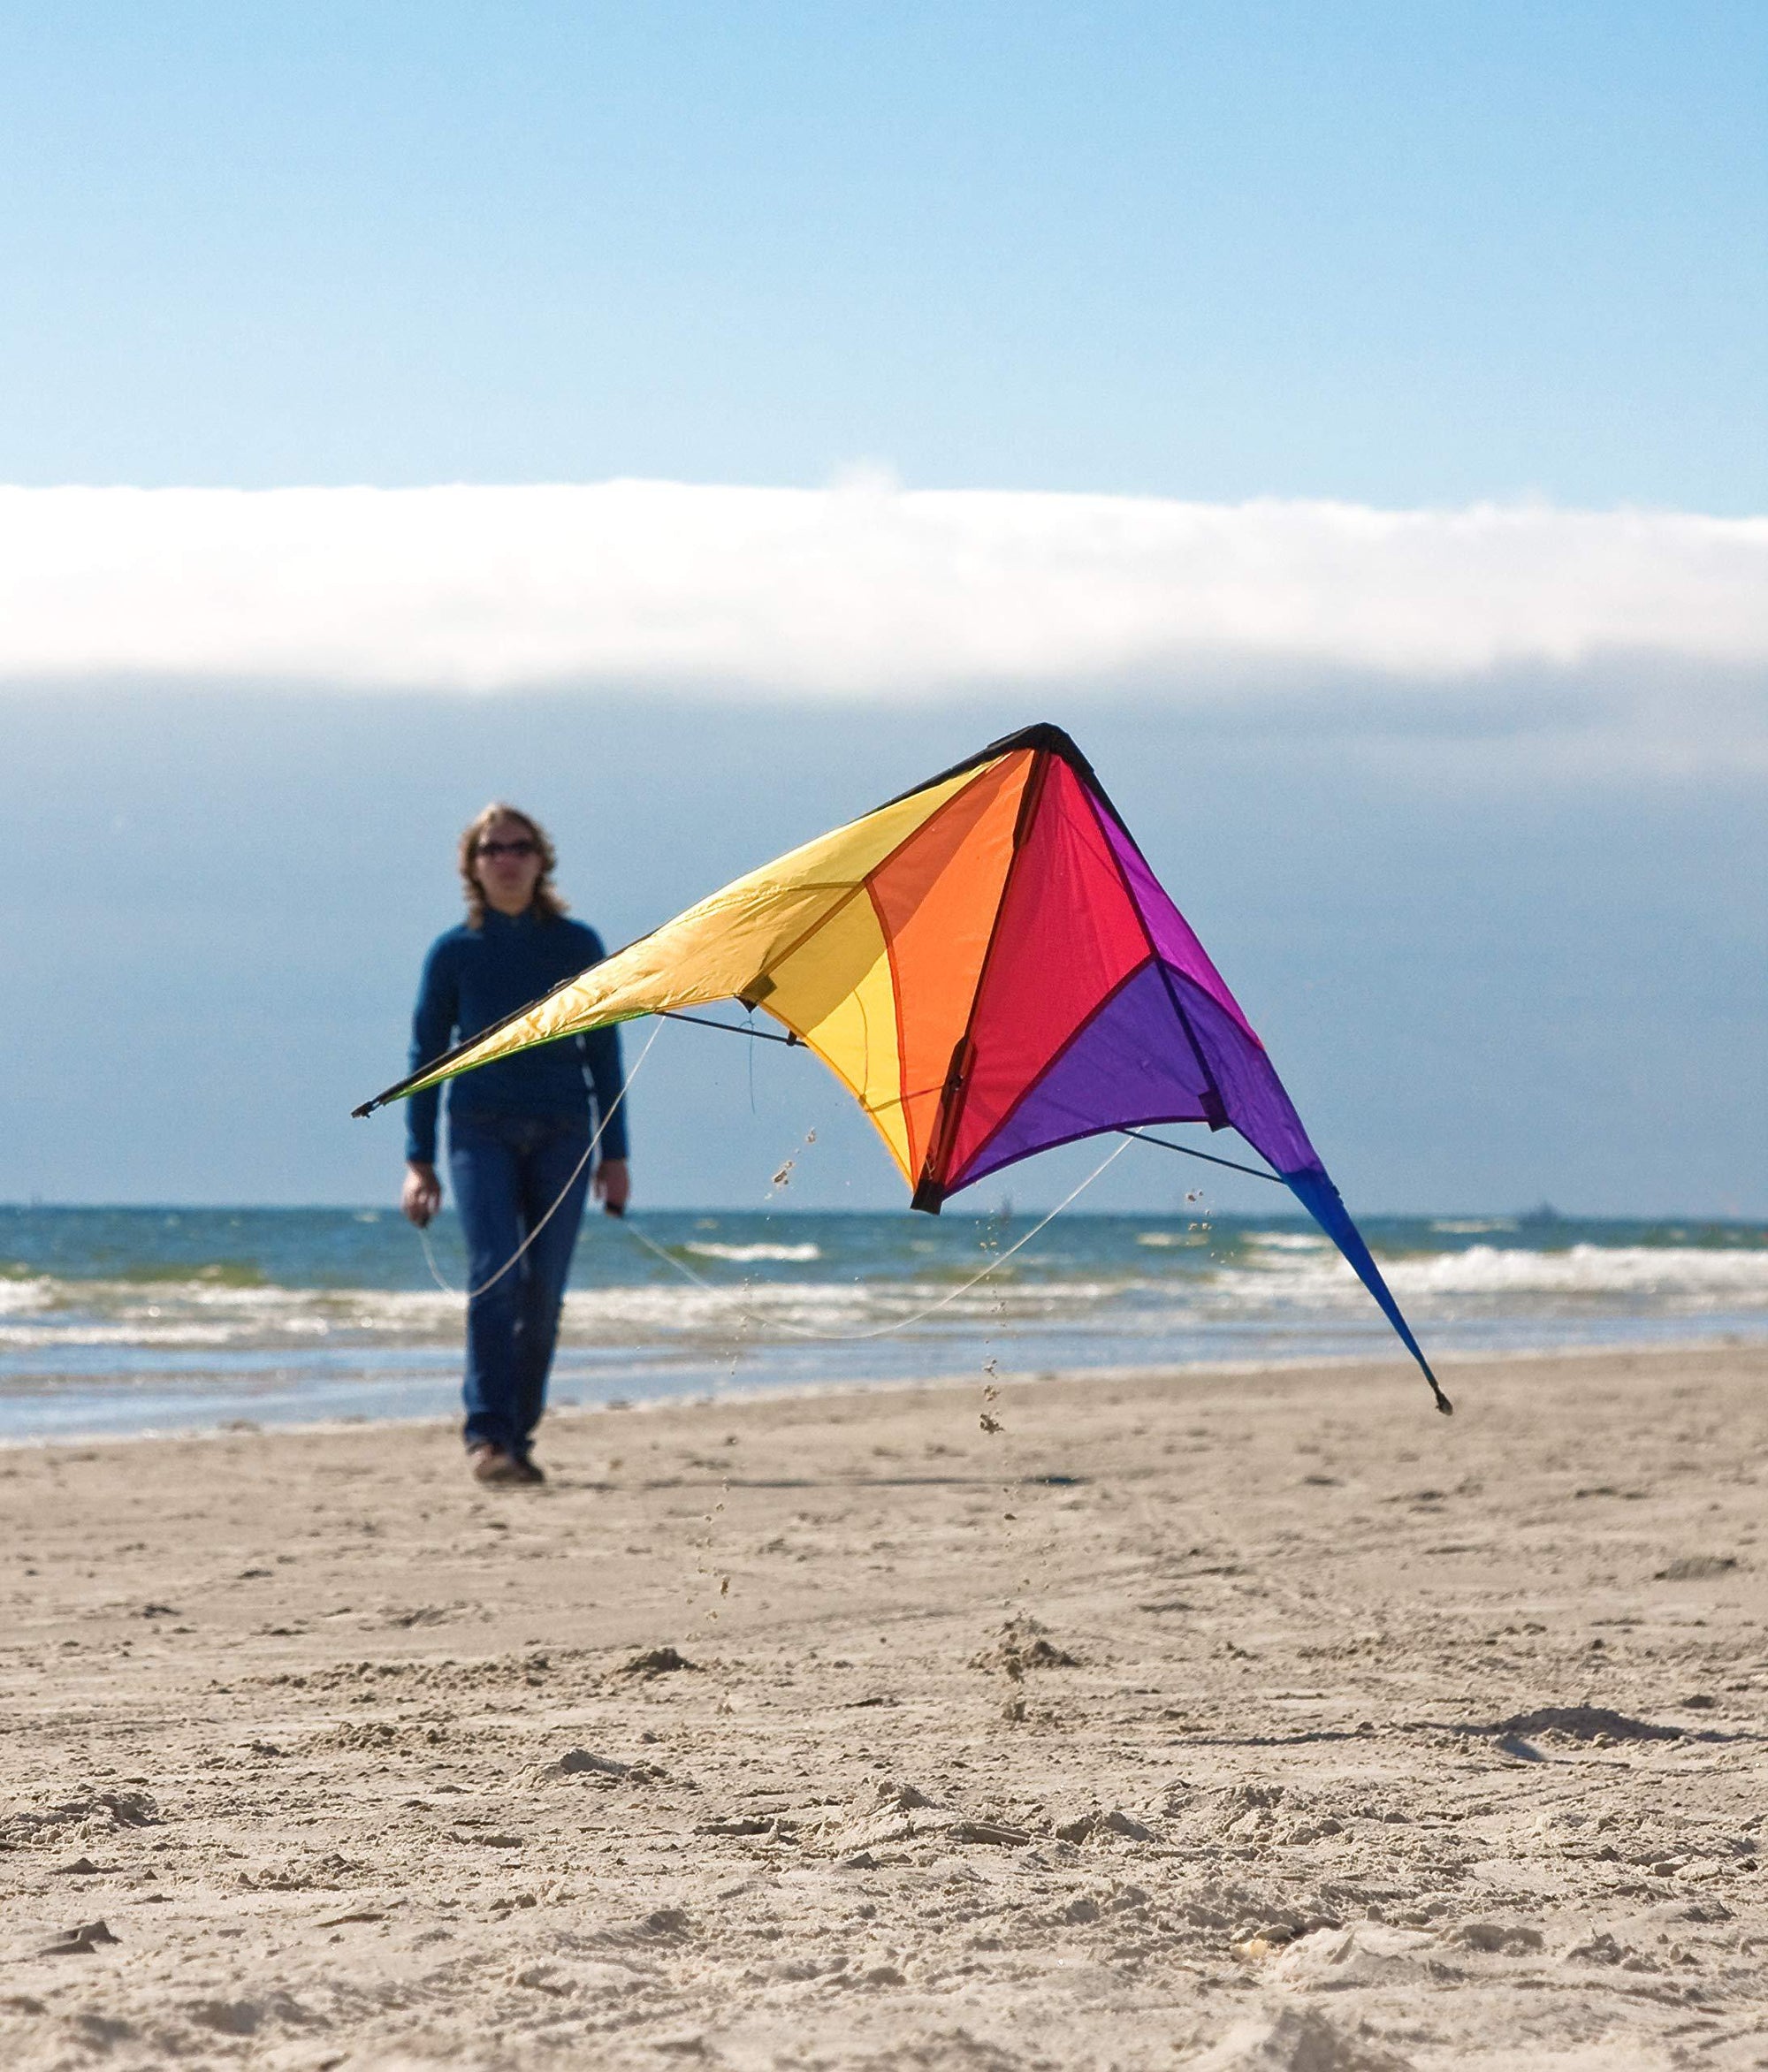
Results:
<point x="702" y="423"/>
<point x="1420" y="253"/>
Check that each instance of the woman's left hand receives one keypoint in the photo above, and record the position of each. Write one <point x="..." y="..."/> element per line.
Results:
<point x="612" y="1184"/>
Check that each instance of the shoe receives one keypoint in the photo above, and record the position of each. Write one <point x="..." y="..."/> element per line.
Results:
<point x="490" y="1464"/>
<point x="530" y="1471"/>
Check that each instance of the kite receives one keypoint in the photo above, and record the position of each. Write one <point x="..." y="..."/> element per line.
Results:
<point x="990" y="967"/>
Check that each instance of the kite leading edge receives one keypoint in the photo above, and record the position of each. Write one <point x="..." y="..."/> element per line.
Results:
<point x="989" y="966"/>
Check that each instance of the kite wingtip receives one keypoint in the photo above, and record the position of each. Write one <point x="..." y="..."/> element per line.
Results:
<point x="367" y="1108"/>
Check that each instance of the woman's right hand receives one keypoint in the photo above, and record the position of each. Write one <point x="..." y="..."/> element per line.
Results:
<point x="422" y="1195"/>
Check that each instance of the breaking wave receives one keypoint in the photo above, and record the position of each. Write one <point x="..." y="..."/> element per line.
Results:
<point x="748" y="1254"/>
<point x="1687" y="1277"/>
<point x="133" y="1317"/>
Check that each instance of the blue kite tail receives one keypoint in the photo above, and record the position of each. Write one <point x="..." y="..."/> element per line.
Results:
<point x="1322" y="1201"/>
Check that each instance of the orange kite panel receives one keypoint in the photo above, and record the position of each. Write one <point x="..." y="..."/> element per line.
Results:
<point x="937" y="898"/>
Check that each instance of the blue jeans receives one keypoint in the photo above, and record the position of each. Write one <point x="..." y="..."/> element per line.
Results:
<point x="507" y="1172"/>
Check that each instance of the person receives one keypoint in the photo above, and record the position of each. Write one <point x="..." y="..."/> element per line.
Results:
<point x="518" y="1129"/>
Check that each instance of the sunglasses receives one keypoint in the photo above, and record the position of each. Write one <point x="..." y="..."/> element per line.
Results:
<point x="506" y="848"/>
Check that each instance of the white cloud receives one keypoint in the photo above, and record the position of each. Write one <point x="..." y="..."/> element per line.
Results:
<point x="863" y="588"/>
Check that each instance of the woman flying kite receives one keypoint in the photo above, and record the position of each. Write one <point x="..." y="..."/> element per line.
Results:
<point x="989" y="966"/>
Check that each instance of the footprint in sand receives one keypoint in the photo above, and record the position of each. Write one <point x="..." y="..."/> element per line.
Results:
<point x="1497" y="1938"/>
<point x="1366" y="1953"/>
<point x="1296" y="2039"/>
<point x="79" y="1942"/>
<point x="1102" y="1822"/>
<point x="656" y="1662"/>
<point x="580" y="1763"/>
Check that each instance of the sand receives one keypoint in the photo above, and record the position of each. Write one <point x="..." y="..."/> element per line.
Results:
<point x="1240" y="1720"/>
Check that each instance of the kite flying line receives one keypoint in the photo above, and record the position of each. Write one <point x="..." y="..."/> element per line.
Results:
<point x="712" y="1287"/>
<point x="779" y="1323"/>
<point x="472" y="1294"/>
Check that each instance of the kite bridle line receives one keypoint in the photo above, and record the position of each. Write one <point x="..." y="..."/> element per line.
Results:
<point x="794" y="1042"/>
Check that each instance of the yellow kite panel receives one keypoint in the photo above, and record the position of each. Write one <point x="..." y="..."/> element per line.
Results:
<point x="717" y="949"/>
<point x="834" y="992"/>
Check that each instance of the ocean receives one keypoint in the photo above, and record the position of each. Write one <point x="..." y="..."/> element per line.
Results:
<point x="118" y="1320"/>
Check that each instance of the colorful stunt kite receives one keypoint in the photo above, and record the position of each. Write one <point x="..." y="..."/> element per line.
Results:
<point x="989" y="966"/>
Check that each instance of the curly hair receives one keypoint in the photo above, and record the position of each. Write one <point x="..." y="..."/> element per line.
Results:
<point x="547" y="905"/>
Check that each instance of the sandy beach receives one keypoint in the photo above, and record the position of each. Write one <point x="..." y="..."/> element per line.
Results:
<point x="1259" y="1719"/>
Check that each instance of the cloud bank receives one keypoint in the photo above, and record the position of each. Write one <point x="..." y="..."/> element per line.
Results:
<point x="862" y="590"/>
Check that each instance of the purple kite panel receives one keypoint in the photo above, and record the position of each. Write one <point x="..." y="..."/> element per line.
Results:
<point x="1168" y="928"/>
<point x="1130" y="1063"/>
<point x="1251" y="1093"/>
<point x="1140" y="1059"/>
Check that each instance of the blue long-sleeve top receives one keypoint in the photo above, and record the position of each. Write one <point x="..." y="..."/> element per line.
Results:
<point x="474" y="976"/>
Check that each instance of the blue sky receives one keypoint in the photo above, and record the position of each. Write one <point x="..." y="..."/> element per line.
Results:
<point x="1245" y="311"/>
<point x="1404" y="254"/>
